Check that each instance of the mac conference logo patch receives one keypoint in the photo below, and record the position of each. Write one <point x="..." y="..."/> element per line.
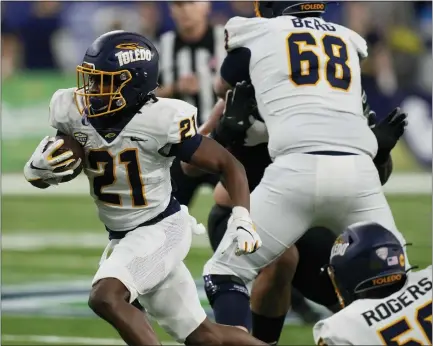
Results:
<point x="81" y="138"/>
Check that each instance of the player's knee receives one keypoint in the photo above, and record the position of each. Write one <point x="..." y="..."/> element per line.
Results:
<point x="215" y="285"/>
<point x="207" y="333"/>
<point x="282" y="271"/>
<point x="105" y="296"/>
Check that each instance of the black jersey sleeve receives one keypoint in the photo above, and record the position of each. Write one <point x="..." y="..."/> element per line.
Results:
<point x="236" y="66"/>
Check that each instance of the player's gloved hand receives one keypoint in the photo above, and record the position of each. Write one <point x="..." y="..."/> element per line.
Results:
<point x="42" y="164"/>
<point x="241" y="107"/>
<point x="241" y="230"/>
<point x="390" y="129"/>
<point x="239" y="114"/>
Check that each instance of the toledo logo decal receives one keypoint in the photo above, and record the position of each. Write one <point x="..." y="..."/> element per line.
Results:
<point x="132" y="52"/>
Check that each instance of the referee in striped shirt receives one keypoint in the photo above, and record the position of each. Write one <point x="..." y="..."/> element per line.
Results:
<point x="191" y="56"/>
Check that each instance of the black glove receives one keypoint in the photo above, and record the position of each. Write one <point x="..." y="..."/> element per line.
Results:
<point x="239" y="114"/>
<point x="388" y="132"/>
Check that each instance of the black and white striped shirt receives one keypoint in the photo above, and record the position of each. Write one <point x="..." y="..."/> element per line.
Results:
<point x="202" y="58"/>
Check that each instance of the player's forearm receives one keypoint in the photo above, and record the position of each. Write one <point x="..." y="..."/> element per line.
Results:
<point x="221" y="87"/>
<point x="213" y="119"/>
<point x="236" y="183"/>
<point x="212" y="157"/>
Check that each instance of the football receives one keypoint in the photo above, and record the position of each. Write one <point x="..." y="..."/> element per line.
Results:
<point x="78" y="153"/>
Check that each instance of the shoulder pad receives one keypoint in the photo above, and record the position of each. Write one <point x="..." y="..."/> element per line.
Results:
<point x="60" y="104"/>
<point x="182" y="118"/>
<point x="239" y="31"/>
<point x="359" y="43"/>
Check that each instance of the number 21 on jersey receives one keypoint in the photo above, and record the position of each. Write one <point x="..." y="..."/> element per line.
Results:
<point x="101" y="158"/>
<point x="105" y="163"/>
<point x="304" y="64"/>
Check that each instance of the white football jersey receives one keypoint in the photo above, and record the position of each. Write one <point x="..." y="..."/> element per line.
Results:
<point x="129" y="179"/>
<point x="403" y="318"/>
<point x="307" y="79"/>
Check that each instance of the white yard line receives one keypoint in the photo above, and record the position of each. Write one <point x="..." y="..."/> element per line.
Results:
<point x="15" y="184"/>
<point x="68" y="340"/>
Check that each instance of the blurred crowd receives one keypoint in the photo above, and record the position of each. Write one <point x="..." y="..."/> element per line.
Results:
<point x="51" y="35"/>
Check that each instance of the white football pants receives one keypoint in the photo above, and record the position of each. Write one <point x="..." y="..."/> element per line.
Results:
<point x="300" y="191"/>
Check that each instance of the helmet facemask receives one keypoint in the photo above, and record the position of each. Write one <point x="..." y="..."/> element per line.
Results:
<point x="100" y="92"/>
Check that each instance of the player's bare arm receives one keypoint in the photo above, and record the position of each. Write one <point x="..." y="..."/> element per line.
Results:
<point x="212" y="157"/>
<point x="222" y="86"/>
<point x="215" y="116"/>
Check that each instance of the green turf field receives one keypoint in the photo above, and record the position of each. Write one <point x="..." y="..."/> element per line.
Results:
<point x="48" y="241"/>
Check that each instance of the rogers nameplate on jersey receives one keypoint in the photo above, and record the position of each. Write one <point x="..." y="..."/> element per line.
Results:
<point x="394" y="305"/>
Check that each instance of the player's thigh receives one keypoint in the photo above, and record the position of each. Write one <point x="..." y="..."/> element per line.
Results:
<point x="147" y="255"/>
<point x="314" y="249"/>
<point x="282" y="211"/>
<point x="369" y="203"/>
<point x="175" y="304"/>
<point x="217" y="224"/>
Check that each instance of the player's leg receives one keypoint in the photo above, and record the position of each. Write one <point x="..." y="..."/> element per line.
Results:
<point x="314" y="249"/>
<point x="176" y="306"/>
<point x="369" y="202"/>
<point x="138" y="263"/>
<point x="282" y="210"/>
<point x="271" y="296"/>
<point x="109" y="299"/>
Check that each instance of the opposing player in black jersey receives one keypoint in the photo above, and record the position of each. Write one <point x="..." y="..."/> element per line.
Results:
<point x="241" y="130"/>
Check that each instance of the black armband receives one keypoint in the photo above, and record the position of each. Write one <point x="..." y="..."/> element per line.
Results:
<point x="183" y="150"/>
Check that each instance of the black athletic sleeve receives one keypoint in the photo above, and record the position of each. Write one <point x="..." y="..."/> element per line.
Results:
<point x="183" y="150"/>
<point x="236" y="66"/>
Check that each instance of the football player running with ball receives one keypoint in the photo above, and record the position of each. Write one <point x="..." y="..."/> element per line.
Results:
<point x="383" y="303"/>
<point x="130" y="139"/>
<point x="307" y="79"/>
